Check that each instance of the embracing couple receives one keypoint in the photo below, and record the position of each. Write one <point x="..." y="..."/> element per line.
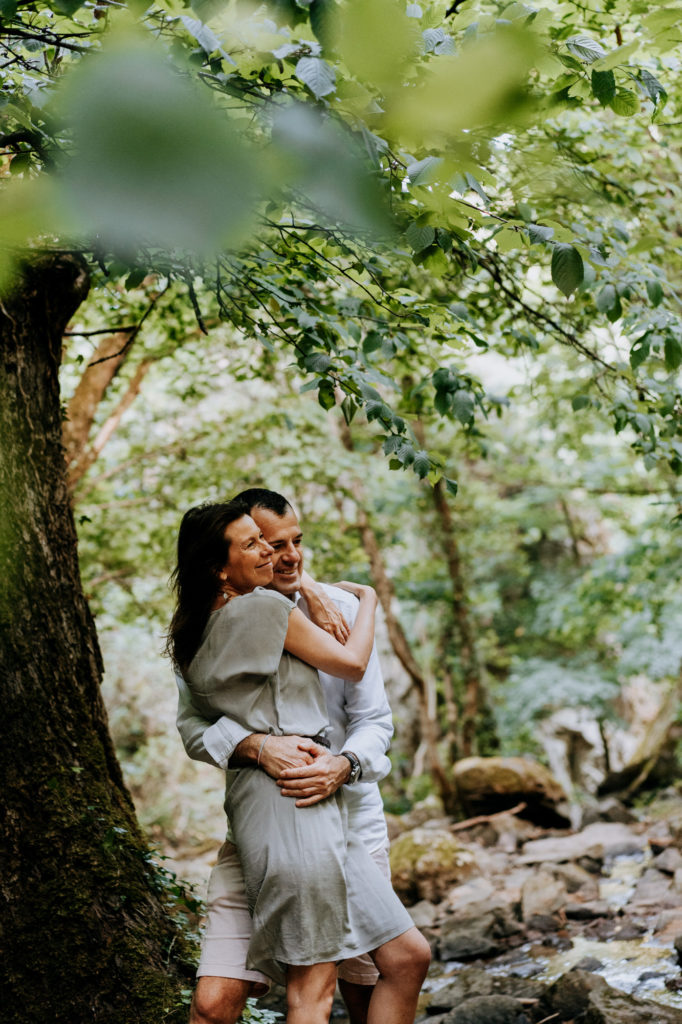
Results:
<point x="297" y="715"/>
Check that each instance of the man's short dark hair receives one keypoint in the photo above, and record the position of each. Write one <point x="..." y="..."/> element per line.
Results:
<point x="260" y="497"/>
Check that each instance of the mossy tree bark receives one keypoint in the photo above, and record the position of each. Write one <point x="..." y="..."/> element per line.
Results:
<point x="84" y="930"/>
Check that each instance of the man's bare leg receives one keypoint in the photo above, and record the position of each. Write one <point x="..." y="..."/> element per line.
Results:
<point x="356" y="997"/>
<point x="219" y="1000"/>
<point x="402" y="964"/>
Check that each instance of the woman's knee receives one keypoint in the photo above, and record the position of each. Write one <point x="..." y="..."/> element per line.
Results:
<point x="407" y="956"/>
<point x="312" y="985"/>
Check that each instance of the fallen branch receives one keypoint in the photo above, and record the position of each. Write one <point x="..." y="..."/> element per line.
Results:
<point x="482" y="819"/>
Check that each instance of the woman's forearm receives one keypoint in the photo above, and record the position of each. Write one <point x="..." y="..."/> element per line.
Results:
<point x="309" y="643"/>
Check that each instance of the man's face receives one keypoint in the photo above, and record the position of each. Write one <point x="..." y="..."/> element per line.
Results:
<point x="283" y="534"/>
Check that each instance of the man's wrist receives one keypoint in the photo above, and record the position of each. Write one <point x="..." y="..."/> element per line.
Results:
<point x="354" y="766"/>
<point x="246" y="752"/>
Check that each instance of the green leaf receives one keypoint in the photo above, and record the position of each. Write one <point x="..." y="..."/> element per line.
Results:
<point x="406" y="454"/>
<point x="652" y="86"/>
<point x="616" y="311"/>
<point x="639" y="351"/>
<point x="655" y="292"/>
<point x="444" y="239"/>
<point x="8" y="8"/>
<point x="625" y="103"/>
<point x="673" y="353"/>
<point x="317" y="362"/>
<point x="135" y="278"/>
<point x="463" y="406"/>
<point x="207" y="40"/>
<point x="580" y="402"/>
<point x="567" y="268"/>
<point x="606" y="298"/>
<point x="372" y="342"/>
<point x="135" y="127"/>
<point x="20" y="163"/>
<point x="67" y="7"/>
<point x="451" y="486"/>
<point x="442" y="402"/>
<point x="392" y="444"/>
<point x="326" y="395"/>
<point x="475" y="185"/>
<point x="423" y="171"/>
<point x="349" y="407"/>
<point x="604" y="86"/>
<point x="539" y="233"/>
<point x="585" y="48"/>
<point x="422" y="464"/>
<point x="317" y="75"/>
<point x="420" y="236"/>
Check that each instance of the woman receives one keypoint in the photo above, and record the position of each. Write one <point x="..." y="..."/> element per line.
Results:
<point x="314" y="892"/>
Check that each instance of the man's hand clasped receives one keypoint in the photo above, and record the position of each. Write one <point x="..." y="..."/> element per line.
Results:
<point x="315" y="781"/>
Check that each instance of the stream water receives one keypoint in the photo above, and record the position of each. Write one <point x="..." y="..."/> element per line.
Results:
<point x="638" y="966"/>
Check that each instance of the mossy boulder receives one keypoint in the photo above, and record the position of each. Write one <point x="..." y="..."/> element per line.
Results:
<point x="427" y="862"/>
<point x="486" y="785"/>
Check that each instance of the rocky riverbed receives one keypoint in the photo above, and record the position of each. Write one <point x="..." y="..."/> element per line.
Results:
<point x="530" y="924"/>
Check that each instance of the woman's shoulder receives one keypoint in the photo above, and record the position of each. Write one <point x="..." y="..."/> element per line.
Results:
<point x="260" y="600"/>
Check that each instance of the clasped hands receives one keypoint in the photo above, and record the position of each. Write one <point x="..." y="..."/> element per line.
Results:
<point x="304" y="769"/>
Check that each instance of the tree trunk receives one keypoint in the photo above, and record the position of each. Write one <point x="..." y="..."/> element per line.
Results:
<point x="90" y="390"/>
<point x="86" y="935"/>
<point x="89" y="456"/>
<point x="474" y="705"/>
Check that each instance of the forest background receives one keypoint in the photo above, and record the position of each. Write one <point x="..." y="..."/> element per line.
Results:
<point x="430" y="290"/>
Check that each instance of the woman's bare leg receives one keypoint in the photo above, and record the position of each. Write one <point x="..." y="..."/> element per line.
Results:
<point x="310" y="992"/>
<point x="402" y="964"/>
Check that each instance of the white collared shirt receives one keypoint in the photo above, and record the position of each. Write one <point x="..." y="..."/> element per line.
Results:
<point x="360" y="720"/>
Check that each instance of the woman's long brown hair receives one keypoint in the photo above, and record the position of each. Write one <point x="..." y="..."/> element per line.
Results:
<point x="203" y="550"/>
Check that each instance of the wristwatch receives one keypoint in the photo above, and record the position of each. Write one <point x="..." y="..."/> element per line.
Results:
<point x="355" y="767"/>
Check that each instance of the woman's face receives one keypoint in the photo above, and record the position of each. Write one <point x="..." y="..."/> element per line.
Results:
<point x="249" y="562"/>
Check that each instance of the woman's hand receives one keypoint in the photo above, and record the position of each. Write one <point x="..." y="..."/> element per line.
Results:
<point x="322" y="610"/>
<point x="360" y="590"/>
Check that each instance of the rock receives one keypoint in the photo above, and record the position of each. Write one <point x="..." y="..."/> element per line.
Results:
<point x="608" y="809"/>
<point x="669" y="861"/>
<point x="489" y="1010"/>
<point x="486" y="785"/>
<point x="394" y="825"/>
<point x="576" y="879"/>
<point x="423" y="914"/>
<point x="542" y="895"/>
<point x="667" y="926"/>
<point x="629" y="929"/>
<point x="426" y="863"/>
<point x="589" y="963"/>
<point x="596" y="842"/>
<point x="588" y="911"/>
<point x="477" y="902"/>
<point x="478" y="920"/>
<point x="587" y="999"/>
<point x="468" y="940"/>
<point x="424" y="811"/>
<point x="470" y="982"/>
<point x="654" y="889"/>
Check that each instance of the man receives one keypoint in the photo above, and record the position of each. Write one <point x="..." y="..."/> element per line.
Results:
<point x="361" y="727"/>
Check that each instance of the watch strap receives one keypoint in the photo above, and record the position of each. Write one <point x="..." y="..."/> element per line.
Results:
<point x="355" y="767"/>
